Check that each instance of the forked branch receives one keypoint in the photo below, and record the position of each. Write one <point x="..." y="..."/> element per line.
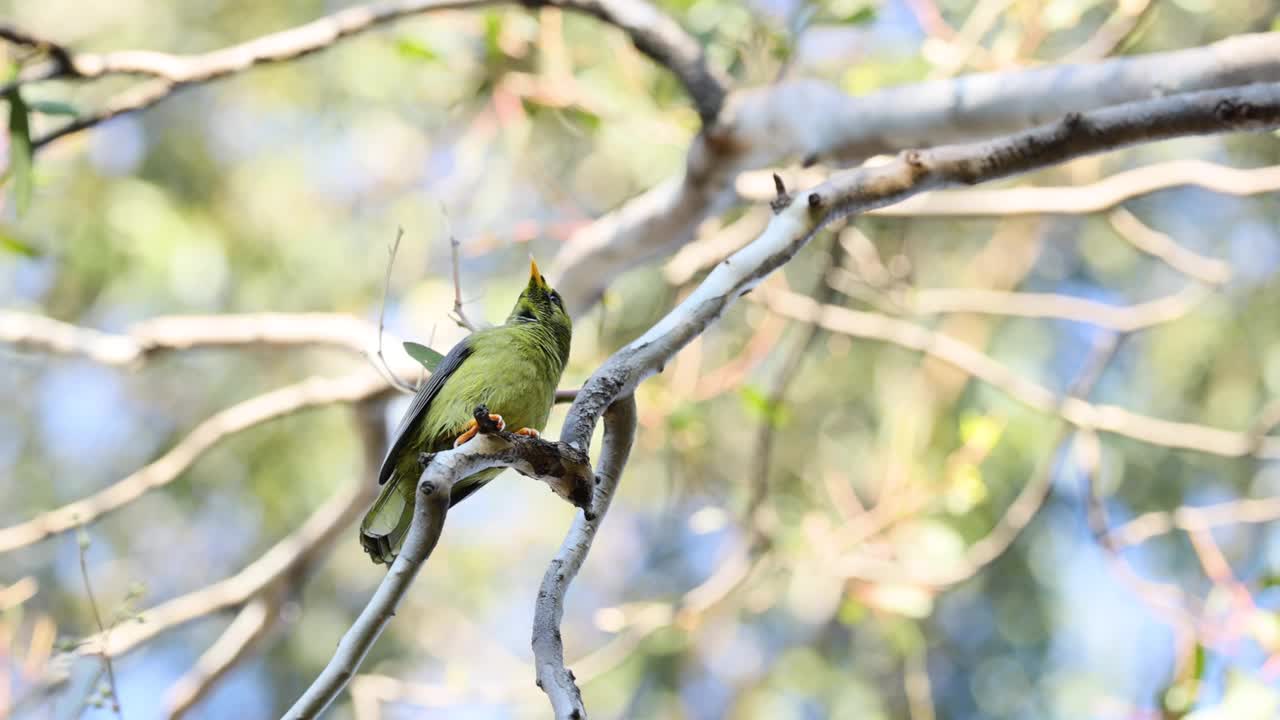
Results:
<point x="564" y="468"/>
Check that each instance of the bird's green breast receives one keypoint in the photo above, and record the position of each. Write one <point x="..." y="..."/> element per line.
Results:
<point x="511" y="370"/>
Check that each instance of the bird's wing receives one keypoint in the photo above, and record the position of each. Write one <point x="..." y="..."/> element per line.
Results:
<point x="421" y="401"/>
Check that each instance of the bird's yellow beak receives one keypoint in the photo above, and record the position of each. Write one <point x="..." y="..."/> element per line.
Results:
<point x="534" y="275"/>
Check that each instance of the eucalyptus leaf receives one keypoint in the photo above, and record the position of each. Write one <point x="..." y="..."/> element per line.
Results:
<point x="20" y="157"/>
<point x="415" y="49"/>
<point x="429" y="358"/>
<point x="53" y="107"/>
<point x="16" y="245"/>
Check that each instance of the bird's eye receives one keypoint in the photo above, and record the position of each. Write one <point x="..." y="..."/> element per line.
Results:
<point x="555" y="298"/>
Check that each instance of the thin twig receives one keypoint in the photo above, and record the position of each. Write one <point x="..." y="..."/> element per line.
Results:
<point x="381" y="365"/>
<point x="82" y="544"/>
<point x="1116" y="31"/>
<point x="782" y="379"/>
<point x="459" y="315"/>
<point x="1210" y="271"/>
<point x="915" y="680"/>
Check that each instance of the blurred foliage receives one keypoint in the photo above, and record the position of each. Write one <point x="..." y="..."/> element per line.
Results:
<point x="279" y="189"/>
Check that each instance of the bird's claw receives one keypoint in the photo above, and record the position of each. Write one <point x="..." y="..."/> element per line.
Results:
<point x="473" y="428"/>
<point x="529" y="432"/>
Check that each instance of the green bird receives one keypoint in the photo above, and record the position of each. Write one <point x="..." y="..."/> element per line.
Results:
<point x="513" y="369"/>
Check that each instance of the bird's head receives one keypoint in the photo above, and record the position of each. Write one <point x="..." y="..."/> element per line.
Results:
<point x="540" y="303"/>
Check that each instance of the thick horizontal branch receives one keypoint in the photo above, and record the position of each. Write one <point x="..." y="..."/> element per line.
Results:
<point x="1249" y="108"/>
<point x="310" y="393"/>
<point x="653" y="33"/>
<point x="1102" y="195"/>
<point x="757" y="186"/>
<point x="760" y="127"/>
<point x="1253" y="107"/>
<point x="566" y="469"/>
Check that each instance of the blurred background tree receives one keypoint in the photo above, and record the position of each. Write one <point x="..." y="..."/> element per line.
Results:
<point x="817" y="521"/>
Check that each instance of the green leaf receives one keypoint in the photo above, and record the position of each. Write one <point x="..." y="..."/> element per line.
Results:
<point x="53" y="107"/>
<point x="415" y="49"/>
<point x="16" y="245"/>
<point x="20" y="157"/>
<point x="429" y="358"/>
<point x="492" y="32"/>
<point x="760" y="405"/>
<point x="852" y="12"/>
<point x="864" y="15"/>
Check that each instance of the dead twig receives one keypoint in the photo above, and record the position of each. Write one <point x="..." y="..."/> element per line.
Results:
<point x="459" y="315"/>
<point x="381" y="365"/>
<point x="112" y="692"/>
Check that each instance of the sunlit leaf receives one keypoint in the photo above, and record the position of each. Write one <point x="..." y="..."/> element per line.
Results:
<point x="683" y="416"/>
<point x="53" y="107"/>
<point x="980" y="432"/>
<point x="416" y="49"/>
<point x="850" y="12"/>
<point x="16" y="245"/>
<point x="430" y="359"/>
<point x="965" y="489"/>
<point x="761" y="406"/>
<point x="492" y="32"/>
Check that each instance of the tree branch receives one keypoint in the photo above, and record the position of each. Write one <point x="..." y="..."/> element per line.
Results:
<point x="856" y="191"/>
<point x="757" y="186"/>
<point x="554" y="678"/>
<point x="28" y="331"/>
<point x="1103" y="418"/>
<point x="310" y="393"/>
<point x="254" y="621"/>
<point x="653" y="33"/>
<point x="261" y="614"/>
<point x="285" y="559"/>
<point x="566" y="469"/>
<point x="1120" y="318"/>
<point x="760" y="127"/>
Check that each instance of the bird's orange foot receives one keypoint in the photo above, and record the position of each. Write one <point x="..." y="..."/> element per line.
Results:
<point x="473" y="428"/>
<point x="530" y="432"/>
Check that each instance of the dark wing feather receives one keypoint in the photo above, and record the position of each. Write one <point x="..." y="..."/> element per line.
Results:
<point x="421" y="401"/>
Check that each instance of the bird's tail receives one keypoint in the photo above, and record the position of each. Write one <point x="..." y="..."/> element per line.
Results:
<point x="385" y="526"/>
<point x="383" y="529"/>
